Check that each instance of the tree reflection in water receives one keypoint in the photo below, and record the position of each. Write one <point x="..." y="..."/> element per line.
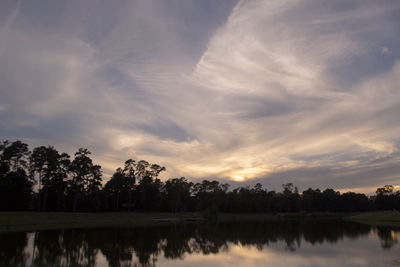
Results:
<point x="141" y="246"/>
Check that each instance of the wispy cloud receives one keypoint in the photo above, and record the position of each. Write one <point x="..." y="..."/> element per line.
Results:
<point x="4" y="29"/>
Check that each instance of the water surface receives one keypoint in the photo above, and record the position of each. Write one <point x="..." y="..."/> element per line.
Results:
<point x="315" y="243"/>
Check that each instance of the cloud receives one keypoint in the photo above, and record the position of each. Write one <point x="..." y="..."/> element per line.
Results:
<point x="385" y="50"/>
<point x="242" y="90"/>
<point x="9" y="21"/>
<point x="275" y="65"/>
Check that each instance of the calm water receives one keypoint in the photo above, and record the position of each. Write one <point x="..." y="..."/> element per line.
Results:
<point x="326" y="243"/>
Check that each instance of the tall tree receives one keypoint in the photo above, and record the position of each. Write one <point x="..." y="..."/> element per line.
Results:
<point x="86" y="177"/>
<point x="122" y="182"/>
<point x="51" y="168"/>
<point x="15" y="184"/>
<point x="145" y="169"/>
<point x="386" y="199"/>
<point x="15" y="155"/>
<point x="177" y="192"/>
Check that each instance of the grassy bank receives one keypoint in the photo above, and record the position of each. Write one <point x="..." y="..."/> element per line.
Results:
<point x="382" y="218"/>
<point x="30" y="221"/>
<point x="298" y="216"/>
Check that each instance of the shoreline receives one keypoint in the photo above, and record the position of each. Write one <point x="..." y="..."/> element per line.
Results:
<point x="32" y="221"/>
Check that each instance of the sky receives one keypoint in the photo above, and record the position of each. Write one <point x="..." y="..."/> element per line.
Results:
<point x="243" y="91"/>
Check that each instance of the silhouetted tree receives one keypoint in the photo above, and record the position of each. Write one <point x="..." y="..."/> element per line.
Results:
<point x="145" y="194"/>
<point x="120" y="183"/>
<point x="144" y="169"/>
<point x="14" y="155"/>
<point x="78" y="184"/>
<point x="15" y="184"/>
<point x="86" y="177"/>
<point x="51" y="168"/>
<point x="387" y="199"/>
<point x="177" y="193"/>
<point x="311" y="200"/>
<point x="148" y="194"/>
<point x="208" y="193"/>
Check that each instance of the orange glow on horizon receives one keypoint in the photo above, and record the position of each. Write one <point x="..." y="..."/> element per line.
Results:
<point x="238" y="178"/>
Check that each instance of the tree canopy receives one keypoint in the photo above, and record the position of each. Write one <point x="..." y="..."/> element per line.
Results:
<point x="45" y="179"/>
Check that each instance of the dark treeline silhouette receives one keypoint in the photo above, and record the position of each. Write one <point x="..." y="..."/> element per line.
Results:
<point x="75" y="184"/>
<point x="142" y="246"/>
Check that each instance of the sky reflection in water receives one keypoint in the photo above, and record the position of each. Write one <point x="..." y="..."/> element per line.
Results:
<point x="326" y="243"/>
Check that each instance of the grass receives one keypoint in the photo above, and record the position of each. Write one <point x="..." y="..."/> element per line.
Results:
<point x="232" y="217"/>
<point x="316" y="215"/>
<point x="31" y="221"/>
<point x="381" y="218"/>
<point x="247" y="217"/>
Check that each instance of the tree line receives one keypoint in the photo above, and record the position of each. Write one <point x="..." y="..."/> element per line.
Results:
<point x="65" y="183"/>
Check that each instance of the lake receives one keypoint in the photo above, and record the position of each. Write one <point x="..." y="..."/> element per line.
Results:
<point x="312" y="243"/>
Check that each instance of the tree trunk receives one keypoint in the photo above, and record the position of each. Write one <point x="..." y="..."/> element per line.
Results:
<point x="60" y="199"/>
<point x="40" y="180"/>
<point x="75" y="202"/>
<point x="44" y="200"/>
<point x="117" y="203"/>
<point x="130" y="200"/>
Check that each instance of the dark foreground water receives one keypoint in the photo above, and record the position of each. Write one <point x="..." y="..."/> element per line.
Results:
<point x="326" y="243"/>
